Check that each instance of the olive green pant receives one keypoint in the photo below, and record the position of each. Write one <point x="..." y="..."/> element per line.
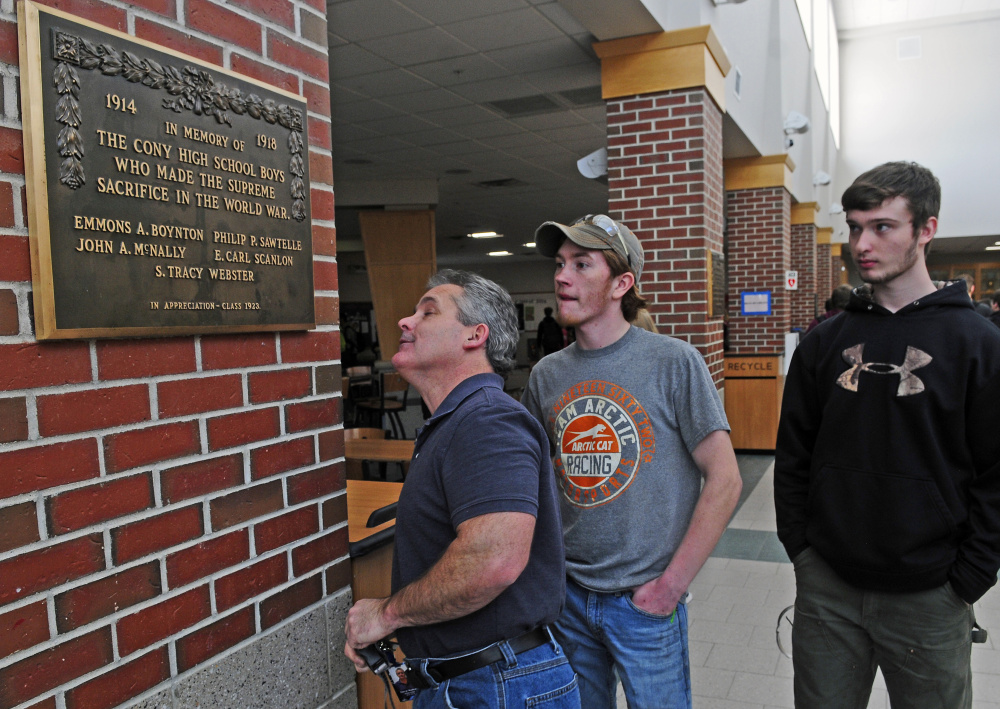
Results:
<point x="921" y="641"/>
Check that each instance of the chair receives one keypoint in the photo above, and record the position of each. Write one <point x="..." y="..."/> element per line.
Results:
<point x="357" y="469"/>
<point x="386" y="406"/>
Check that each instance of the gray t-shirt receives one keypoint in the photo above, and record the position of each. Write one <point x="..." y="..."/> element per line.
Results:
<point x="623" y="421"/>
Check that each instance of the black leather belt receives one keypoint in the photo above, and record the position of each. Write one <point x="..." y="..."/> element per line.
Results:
<point x="448" y="669"/>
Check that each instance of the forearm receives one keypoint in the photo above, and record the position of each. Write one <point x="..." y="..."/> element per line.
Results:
<point x="708" y="522"/>
<point x="486" y="557"/>
<point x="462" y="582"/>
<point x="717" y="462"/>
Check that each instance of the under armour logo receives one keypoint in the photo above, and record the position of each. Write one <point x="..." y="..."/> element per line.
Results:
<point x="909" y="383"/>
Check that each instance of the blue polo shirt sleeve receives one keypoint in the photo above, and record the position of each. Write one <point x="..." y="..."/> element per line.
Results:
<point x="493" y="461"/>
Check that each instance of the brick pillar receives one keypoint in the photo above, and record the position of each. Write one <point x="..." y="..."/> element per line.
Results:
<point x="169" y="504"/>
<point x="665" y="95"/>
<point x="838" y="274"/>
<point x="759" y="240"/>
<point x="665" y="182"/>
<point x="803" y="300"/>
<point x="824" y="272"/>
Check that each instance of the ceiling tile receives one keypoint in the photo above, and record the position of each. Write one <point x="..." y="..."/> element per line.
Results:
<point x="434" y="136"/>
<point x="389" y="82"/>
<point x="558" y="16"/>
<point x="352" y="60"/>
<point x="346" y="132"/>
<point x="459" y="70"/>
<point x="496" y="89"/>
<point x="577" y="76"/>
<point x="425" y="101"/>
<point x="559" y="51"/>
<point x="360" y="111"/>
<point x="556" y="119"/>
<point x="428" y="45"/>
<point x="460" y="116"/>
<point x="490" y="128"/>
<point x="443" y="11"/>
<point x="364" y="19"/>
<point x="505" y="29"/>
<point x="400" y="125"/>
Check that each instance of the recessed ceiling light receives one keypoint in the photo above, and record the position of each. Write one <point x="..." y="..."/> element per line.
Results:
<point x="993" y="248"/>
<point x="500" y="253"/>
<point x="530" y="244"/>
<point x="484" y="235"/>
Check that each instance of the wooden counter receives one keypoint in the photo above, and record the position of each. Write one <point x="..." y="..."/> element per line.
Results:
<point x="754" y="384"/>
<point x="371" y="572"/>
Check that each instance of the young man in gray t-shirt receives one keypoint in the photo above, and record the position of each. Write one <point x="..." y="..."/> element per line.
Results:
<point x="635" y="425"/>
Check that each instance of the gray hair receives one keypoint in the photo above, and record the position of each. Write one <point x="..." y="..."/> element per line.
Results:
<point x="483" y="301"/>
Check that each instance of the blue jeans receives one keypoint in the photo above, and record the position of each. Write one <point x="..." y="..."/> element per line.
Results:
<point x="540" y="677"/>
<point x="922" y="641"/>
<point x="604" y="632"/>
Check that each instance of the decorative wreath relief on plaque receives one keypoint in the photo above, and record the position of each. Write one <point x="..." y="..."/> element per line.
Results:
<point x="195" y="89"/>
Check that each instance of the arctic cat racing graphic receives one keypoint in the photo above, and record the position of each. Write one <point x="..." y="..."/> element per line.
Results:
<point x="603" y="435"/>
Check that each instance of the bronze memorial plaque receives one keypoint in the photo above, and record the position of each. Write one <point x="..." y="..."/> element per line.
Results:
<point x="166" y="196"/>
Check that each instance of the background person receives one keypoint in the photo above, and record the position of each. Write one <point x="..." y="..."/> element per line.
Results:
<point x="550" y="334"/>
<point x="838" y="301"/>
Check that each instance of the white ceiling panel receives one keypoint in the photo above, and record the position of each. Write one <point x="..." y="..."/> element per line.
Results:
<point x="353" y="20"/>
<point x="528" y="57"/>
<point x="425" y="101"/>
<point x="558" y="16"/>
<point x="389" y="82"/>
<point x="460" y="70"/>
<point x="441" y="12"/>
<point x="506" y="29"/>
<point x="433" y="44"/>
<point x="352" y="60"/>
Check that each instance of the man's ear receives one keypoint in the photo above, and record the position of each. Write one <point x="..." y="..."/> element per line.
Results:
<point x="927" y="232"/>
<point x="622" y="284"/>
<point x="476" y="337"/>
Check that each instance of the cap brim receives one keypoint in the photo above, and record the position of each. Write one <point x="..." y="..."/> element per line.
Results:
<point x="550" y="236"/>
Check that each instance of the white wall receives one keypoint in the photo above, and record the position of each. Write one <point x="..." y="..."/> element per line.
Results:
<point x="939" y="110"/>
<point x="765" y="40"/>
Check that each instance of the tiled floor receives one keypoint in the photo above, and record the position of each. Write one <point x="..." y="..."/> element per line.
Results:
<point x="735" y="661"/>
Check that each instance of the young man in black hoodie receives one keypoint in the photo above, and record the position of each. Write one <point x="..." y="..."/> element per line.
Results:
<point x="887" y="469"/>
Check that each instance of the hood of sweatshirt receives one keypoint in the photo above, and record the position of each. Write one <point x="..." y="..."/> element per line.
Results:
<point x="952" y="295"/>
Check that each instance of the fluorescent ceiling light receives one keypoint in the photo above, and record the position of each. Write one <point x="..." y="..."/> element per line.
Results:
<point x="993" y="248"/>
<point x="484" y="235"/>
<point x="500" y="253"/>
<point x="530" y="244"/>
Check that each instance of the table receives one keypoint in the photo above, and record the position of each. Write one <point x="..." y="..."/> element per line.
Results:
<point x="382" y="450"/>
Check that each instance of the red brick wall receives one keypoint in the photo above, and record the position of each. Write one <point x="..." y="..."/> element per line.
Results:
<point x="665" y="182"/>
<point x="164" y="500"/>
<point x="759" y="254"/>
<point x="803" y="300"/>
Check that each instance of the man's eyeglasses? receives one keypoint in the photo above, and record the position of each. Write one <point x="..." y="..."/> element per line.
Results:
<point x="606" y="223"/>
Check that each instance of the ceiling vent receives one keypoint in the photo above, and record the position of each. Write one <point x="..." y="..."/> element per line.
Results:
<point x="587" y="96"/>
<point x="547" y="103"/>
<point x="503" y="182"/>
<point x="524" y="106"/>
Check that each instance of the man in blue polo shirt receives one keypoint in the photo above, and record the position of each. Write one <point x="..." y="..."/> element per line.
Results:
<point x="478" y="571"/>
